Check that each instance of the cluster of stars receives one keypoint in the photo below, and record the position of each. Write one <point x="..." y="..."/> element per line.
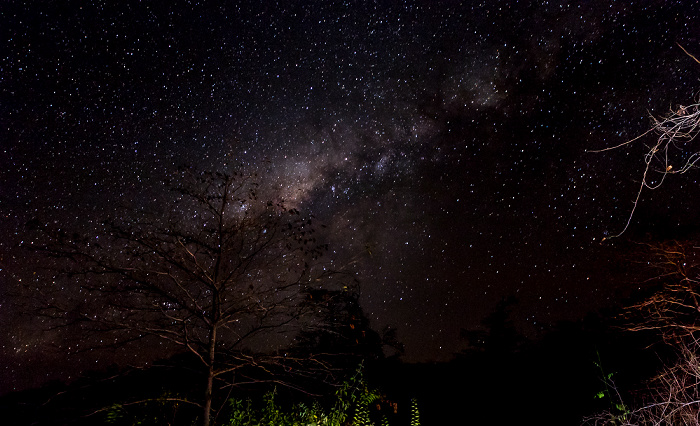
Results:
<point x="444" y="145"/>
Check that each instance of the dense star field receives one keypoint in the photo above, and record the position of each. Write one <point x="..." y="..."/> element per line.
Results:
<point x="444" y="143"/>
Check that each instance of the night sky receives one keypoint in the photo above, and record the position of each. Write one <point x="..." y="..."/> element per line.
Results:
<point x="443" y="143"/>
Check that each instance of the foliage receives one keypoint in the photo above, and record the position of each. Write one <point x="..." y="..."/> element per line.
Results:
<point x="670" y="311"/>
<point x="351" y="406"/>
<point x="618" y="413"/>
<point x="671" y="398"/>
<point x="415" y="415"/>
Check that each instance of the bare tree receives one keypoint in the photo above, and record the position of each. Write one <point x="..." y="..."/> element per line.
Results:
<point x="670" y="302"/>
<point x="672" y="150"/>
<point x="673" y="308"/>
<point x="674" y="397"/>
<point x="670" y="307"/>
<point x="215" y="272"/>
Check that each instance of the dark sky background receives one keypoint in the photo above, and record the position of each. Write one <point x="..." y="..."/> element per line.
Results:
<point x="443" y="142"/>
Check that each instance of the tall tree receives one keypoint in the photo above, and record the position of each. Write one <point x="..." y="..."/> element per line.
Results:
<point x="215" y="272"/>
<point x="343" y="335"/>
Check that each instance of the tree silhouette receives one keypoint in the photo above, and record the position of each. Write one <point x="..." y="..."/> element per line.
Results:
<point x="500" y="337"/>
<point x="343" y="336"/>
<point x="217" y="272"/>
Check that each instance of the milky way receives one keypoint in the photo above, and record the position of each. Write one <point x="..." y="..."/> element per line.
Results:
<point x="444" y="144"/>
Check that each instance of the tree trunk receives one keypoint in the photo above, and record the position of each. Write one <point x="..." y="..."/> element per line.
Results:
<point x="206" y="419"/>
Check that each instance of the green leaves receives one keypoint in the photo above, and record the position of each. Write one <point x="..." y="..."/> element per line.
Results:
<point x="353" y="400"/>
<point x="415" y="415"/>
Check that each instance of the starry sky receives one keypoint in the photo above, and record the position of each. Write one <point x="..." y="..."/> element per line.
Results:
<point x="446" y="144"/>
